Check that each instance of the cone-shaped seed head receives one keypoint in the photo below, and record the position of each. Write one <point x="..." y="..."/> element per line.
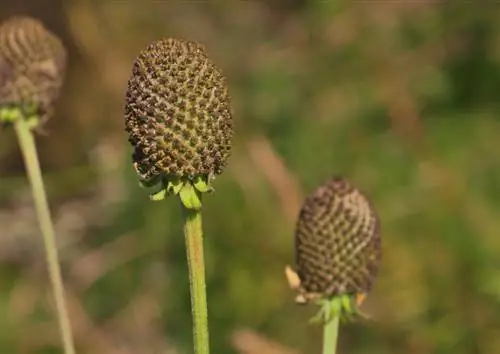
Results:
<point x="337" y="238"/>
<point x="178" y="112"/>
<point x="32" y="64"/>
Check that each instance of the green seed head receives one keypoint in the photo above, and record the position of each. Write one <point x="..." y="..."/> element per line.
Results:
<point x="337" y="243"/>
<point x="177" y="112"/>
<point x="32" y="65"/>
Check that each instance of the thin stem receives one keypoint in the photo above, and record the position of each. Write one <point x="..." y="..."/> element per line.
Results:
<point x="330" y="335"/>
<point x="194" y="247"/>
<point x="30" y="156"/>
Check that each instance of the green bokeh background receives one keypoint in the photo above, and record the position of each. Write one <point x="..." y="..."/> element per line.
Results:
<point x="401" y="97"/>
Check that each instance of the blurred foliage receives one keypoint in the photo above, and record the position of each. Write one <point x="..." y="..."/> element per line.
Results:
<point x="401" y="97"/>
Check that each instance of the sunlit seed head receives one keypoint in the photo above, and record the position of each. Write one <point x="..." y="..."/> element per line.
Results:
<point x="177" y="111"/>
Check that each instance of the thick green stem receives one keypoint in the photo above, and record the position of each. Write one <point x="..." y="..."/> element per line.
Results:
<point x="330" y="335"/>
<point x="30" y="156"/>
<point x="196" y="265"/>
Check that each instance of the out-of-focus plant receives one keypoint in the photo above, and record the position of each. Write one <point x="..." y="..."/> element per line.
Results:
<point x="337" y="251"/>
<point x="32" y="66"/>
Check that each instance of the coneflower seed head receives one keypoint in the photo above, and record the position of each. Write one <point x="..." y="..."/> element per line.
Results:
<point x="178" y="112"/>
<point x="337" y="242"/>
<point x="32" y="65"/>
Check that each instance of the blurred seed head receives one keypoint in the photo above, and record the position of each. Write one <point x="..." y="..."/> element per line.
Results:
<point x="178" y="112"/>
<point x="337" y="243"/>
<point x="32" y="65"/>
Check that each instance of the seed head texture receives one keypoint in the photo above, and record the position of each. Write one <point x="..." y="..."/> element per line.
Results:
<point x="337" y="240"/>
<point x="177" y="112"/>
<point x="32" y="64"/>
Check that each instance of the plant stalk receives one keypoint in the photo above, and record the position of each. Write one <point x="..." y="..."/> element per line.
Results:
<point x="196" y="264"/>
<point x="28" y="149"/>
<point x="330" y="335"/>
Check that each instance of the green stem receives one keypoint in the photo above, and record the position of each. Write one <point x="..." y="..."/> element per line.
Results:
<point x="194" y="247"/>
<point x="30" y="156"/>
<point x="330" y="335"/>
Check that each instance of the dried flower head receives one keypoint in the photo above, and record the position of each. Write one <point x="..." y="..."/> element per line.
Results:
<point x="337" y="244"/>
<point x="32" y="65"/>
<point x="178" y="112"/>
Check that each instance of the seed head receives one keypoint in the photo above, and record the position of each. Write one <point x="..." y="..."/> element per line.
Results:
<point x="32" y="65"/>
<point x="337" y="243"/>
<point x="178" y="112"/>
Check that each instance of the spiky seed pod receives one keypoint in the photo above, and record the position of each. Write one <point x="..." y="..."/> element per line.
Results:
<point x="178" y="112"/>
<point x="337" y="243"/>
<point x="32" y="65"/>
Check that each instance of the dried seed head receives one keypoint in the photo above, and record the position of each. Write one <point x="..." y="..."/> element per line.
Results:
<point x="178" y="112"/>
<point x="337" y="240"/>
<point x="32" y="65"/>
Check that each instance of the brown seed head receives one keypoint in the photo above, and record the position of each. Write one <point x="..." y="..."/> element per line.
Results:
<point x="32" y="65"/>
<point x="178" y="112"/>
<point x="337" y="239"/>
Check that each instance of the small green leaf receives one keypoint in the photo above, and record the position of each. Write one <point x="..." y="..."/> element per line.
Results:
<point x="202" y="185"/>
<point x="160" y="195"/>
<point x="190" y="197"/>
<point x="347" y="304"/>
<point x="32" y="122"/>
<point x="334" y="309"/>
<point x="343" y="306"/>
<point x="174" y="184"/>
<point x="9" y="115"/>
<point x="178" y="187"/>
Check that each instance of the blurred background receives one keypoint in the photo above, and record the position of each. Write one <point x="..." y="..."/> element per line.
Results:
<point x="400" y="97"/>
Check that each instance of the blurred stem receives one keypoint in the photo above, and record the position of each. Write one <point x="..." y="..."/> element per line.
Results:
<point x="28" y="149"/>
<point x="330" y="335"/>
<point x="194" y="246"/>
